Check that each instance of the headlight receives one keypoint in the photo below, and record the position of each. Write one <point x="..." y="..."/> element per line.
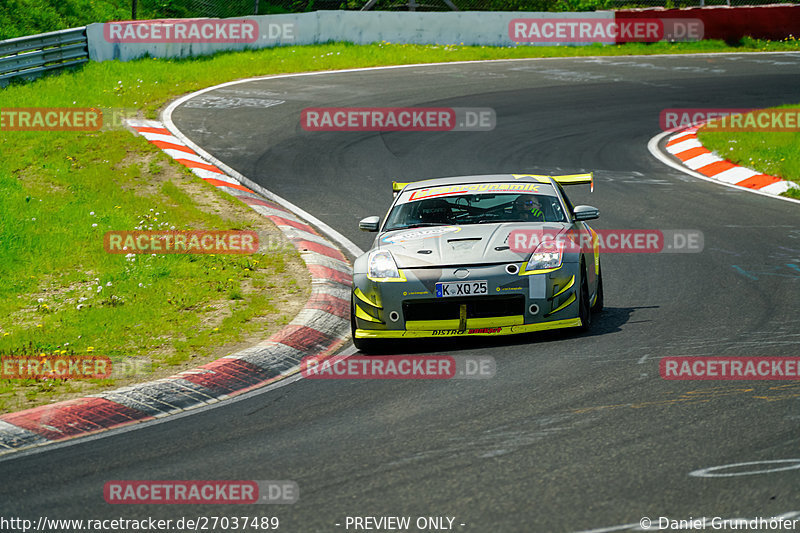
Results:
<point x="381" y="267"/>
<point x="548" y="254"/>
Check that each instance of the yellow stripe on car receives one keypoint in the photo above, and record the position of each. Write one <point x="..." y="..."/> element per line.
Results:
<point x="364" y="298"/>
<point x="421" y="325"/>
<point x="503" y="330"/>
<point x="363" y="315"/>
<point x="569" y="284"/>
<point x="562" y="306"/>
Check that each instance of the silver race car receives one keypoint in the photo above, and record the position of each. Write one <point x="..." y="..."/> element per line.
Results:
<point x="477" y="255"/>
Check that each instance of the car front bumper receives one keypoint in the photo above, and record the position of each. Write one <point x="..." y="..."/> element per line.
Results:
<point x="517" y="302"/>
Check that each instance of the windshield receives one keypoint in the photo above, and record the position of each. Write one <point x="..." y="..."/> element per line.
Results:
<point x="476" y="209"/>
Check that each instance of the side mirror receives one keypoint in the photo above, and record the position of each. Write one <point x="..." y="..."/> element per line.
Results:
<point x="369" y="223"/>
<point x="586" y="212"/>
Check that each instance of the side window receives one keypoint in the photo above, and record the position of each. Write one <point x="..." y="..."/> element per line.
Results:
<point x="553" y="210"/>
<point x="566" y="200"/>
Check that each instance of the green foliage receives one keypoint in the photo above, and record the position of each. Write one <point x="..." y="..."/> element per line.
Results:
<point x="28" y="17"/>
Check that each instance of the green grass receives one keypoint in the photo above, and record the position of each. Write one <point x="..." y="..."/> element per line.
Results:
<point x="774" y="153"/>
<point x="61" y="191"/>
<point x="28" y="17"/>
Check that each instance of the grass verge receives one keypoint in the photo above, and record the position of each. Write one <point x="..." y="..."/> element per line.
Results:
<point x="775" y="153"/>
<point x="61" y="191"/>
<point x="153" y="315"/>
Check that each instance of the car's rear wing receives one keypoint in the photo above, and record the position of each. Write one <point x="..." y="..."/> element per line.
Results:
<point x="575" y="179"/>
<point x="397" y="187"/>
<point x="565" y="179"/>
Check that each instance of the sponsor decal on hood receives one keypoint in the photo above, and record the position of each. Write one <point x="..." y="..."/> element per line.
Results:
<point x="418" y="234"/>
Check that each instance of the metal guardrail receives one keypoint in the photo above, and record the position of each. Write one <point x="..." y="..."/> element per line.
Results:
<point x="29" y="57"/>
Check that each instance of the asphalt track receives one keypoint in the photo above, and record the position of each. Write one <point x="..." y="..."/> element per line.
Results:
<point x="575" y="431"/>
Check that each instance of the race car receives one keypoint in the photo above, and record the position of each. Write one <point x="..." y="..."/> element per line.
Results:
<point x="477" y="255"/>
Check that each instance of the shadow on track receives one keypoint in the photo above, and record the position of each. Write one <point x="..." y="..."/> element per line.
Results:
<point x="610" y="320"/>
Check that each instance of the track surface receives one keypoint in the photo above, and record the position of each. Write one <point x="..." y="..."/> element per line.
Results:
<point x="575" y="431"/>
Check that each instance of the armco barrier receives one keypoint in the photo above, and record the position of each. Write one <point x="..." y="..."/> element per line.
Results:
<point x="773" y="22"/>
<point x="31" y="56"/>
<point x="359" y="27"/>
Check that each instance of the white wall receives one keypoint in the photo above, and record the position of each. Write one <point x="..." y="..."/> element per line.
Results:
<point x="359" y="27"/>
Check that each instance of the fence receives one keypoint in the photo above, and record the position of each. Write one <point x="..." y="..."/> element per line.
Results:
<point x="520" y="5"/>
<point x="241" y="8"/>
<point x="30" y="57"/>
<point x="233" y="8"/>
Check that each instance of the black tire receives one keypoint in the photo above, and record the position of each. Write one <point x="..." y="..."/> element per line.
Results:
<point x="598" y="302"/>
<point x="364" y="346"/>
<point x="584" y="307"/>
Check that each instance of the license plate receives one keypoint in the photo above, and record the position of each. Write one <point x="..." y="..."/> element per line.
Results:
<point x="461" y="288"/>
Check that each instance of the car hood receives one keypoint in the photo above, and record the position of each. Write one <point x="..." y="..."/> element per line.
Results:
<point x="459" y="245"/>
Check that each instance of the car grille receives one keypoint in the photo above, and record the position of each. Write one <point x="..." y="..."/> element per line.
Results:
<point x="477" y="307"/>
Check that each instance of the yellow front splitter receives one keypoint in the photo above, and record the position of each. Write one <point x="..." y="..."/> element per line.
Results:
<point x="487" y="331"/>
